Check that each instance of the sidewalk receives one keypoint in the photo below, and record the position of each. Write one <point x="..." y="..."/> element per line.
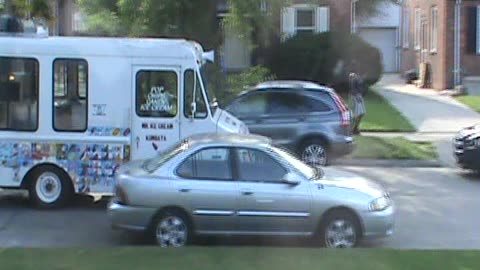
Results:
<point x="428" y="110"/>
<point x="436" y="117"/>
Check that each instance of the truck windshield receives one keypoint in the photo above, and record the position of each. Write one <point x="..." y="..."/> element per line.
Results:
<point x="211" y="99"/>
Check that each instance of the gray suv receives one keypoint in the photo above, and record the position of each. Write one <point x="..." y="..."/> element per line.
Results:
<point x="306" y="118"/>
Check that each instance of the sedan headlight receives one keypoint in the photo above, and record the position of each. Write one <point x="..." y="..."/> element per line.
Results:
<point x="380" y="204"/>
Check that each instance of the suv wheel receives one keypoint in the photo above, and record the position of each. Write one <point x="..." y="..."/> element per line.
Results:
<point x="314" y="152"/>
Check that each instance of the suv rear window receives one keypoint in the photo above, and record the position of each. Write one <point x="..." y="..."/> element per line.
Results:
<point x="323" y="96"/>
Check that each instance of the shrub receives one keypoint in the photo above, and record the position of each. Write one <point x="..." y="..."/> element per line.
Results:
<point x="315" y="57"/>
<point x="250" y="77"/>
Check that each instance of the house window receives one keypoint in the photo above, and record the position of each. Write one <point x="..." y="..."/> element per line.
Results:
<point x="305" y="21"/>
<point x="434" y="30"/>
<point x="473" y="30"/>
<point x="417" y="28"/>
<point x="19" y="80"/>
<point x="406" y="28"/>
<point x="304" y="18"/>
<point x="70" y="83"/>
<point x="478" y="29"/>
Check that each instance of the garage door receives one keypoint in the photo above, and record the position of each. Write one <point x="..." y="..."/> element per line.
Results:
<point x="385" y="41"/>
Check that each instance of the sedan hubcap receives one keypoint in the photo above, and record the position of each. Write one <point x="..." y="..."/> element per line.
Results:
<point x="171" y="232"/>
<point x="314" y="154"/>
<point x="340" y="234"/>
<point x="48" y="187"/>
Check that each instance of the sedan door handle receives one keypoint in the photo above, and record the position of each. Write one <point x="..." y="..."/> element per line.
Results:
<point x="184" y="190"/>
<point x="247" y="192"/>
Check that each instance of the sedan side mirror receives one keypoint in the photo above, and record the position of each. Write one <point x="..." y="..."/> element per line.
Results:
<point x="291" y="179"/>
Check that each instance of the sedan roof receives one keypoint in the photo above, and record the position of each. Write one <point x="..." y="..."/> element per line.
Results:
<point x="227" y="139"/>
<point x="289" y="84"/>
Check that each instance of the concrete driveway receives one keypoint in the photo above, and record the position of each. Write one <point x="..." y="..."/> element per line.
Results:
<point x="437" y="208"/>
<point x="428" y="110"/>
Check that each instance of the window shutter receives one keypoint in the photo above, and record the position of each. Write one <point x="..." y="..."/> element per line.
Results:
<point x="288" y="22"/>
<point x="322" y="23"/>
<point x="472" y="30"/>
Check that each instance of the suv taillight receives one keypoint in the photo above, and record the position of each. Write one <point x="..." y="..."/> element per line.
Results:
<point x="344" y="111"/>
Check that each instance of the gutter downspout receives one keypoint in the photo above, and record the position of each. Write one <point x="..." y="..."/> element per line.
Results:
<point x="457" y="40"/>
<point x="353" y="11"/>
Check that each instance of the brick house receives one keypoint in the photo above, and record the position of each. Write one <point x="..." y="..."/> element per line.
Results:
<point x="300" y="17"/>
<point x="446" y="35"/>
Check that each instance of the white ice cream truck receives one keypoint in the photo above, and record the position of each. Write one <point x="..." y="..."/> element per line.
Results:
<point x="73" y="109"/>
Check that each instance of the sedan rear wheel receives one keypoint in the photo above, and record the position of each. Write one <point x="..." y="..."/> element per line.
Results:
<point x="171" y="229"/>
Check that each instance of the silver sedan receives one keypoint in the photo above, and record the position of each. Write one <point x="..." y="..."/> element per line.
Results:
<point x="224" y="184"/>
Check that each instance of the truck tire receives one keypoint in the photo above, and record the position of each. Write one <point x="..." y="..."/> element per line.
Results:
<point x="50" y="188"/>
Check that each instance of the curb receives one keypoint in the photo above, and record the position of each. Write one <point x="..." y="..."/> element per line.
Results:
<point x="392" y="163"/>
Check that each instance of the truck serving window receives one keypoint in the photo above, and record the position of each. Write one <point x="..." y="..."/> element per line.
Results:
<point x="19" y="94"/>
<point x="157" y="94"/>
<point x="70" y="88"/>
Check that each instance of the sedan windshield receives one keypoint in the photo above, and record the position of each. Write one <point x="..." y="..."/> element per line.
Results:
<point x="308" y="171"/>
<point x="153" y="164"/>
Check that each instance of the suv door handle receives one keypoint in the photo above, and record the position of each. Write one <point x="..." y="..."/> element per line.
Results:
<point x="247" y="192"/>
<point x="184" y="190"/>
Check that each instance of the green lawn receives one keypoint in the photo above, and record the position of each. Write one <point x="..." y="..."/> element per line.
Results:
<point x="223" y="258"/>
<point x="392" y="148"/>
<point x="382" y="116"/>
<point x="471" y="101"/>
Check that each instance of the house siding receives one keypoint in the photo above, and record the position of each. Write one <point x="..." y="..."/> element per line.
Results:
<point x="442" y="62"/>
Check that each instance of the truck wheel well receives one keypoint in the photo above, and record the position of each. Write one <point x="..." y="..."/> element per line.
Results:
<point x="28" y="178"/>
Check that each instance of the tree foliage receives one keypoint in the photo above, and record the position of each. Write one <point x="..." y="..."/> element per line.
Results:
<point x="33" y="9"/>
<point x="154" y="18"/>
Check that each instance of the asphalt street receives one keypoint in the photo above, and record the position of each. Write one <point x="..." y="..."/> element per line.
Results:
<point x="437" y="208"/>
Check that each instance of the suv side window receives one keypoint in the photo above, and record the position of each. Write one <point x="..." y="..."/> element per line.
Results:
<point x="208" y="164"/>
<point x="258" y="166"/>
<point x="250" y="105"/>
<point x="316" y="104"/>
<point x="286" y="103"/>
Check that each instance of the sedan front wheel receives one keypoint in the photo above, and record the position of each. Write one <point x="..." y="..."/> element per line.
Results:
<point x="340" y="230"/>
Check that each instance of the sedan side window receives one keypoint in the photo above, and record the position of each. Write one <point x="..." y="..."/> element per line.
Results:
<point x="258" y="166"/>
<point x="207" y="164"/>
<point x="250" y="105"/>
